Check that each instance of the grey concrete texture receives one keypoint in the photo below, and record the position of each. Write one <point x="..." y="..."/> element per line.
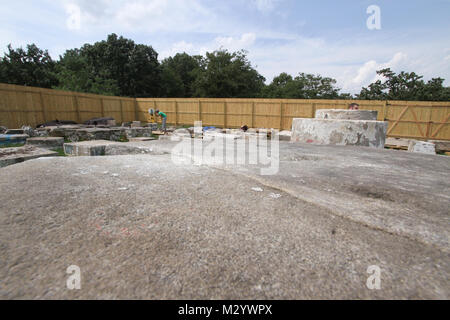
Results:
<point x="142" y="227"/>
<point x="338" y="114"/>
<point x="10" y="156"/>
<point x="46" y="142"/>
<point x="339" y="132"/>
<point x="422" y="147"/>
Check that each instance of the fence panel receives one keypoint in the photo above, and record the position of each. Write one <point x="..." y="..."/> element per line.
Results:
<point x="21" y="105"/>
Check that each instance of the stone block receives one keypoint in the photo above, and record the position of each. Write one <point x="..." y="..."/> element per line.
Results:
<point x="421" y="147"/>
<point x="87" y="148"/>
<point x="15" y="131"/>
<point x="285" y="135"/>
<point x="338" y="114"/>
<point x="46" y="142"/>
<point x="339" y="132"/>
<point x="10" y="156"/>
<point x="6" y="139"/>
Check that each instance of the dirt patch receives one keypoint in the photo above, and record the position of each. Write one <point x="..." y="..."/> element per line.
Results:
<point x="373" y="193"/>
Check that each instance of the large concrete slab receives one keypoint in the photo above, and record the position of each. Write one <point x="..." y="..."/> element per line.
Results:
<point x="339" y="132"/>
<point x="142" y="227"/>
<point x="10" y="156"/>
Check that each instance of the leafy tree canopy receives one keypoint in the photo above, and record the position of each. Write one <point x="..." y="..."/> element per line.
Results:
<point x="30" y="67"/>
<point x="405" y="86"/>
<point x="119" y="66"/>
<point x="225" y="75"/>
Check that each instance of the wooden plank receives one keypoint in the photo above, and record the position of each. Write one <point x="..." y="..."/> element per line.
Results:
<point x="102" y="106"/>
<point x="44" y="113"/>
<point x="77" y="108"/>
<point x="416" y="121"/>
<point x="176" y="113"/>
<point x="281" y="116"/>
<point x="253" y="114"/>
<point x="225" y="114"/>
<point x="440" y="126"/>
<point x="121" y="111"/>
<point x="398" y="119"/>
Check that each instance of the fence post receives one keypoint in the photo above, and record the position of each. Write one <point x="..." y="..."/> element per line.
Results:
<point x="427" y="135"/>
<point x="200" y="110"/>
<point x="253" y="114"/>
<point x="136" y="110"/>
<point x="44" y="113"/>
<point x="385" y="106"/>
<point x="225" y="107"/>
<point x="281" y="116"/>
<point x="121" y="111"/>
<point x="102" y="107"/>
<point x="176" y="113"/>
<point x="77" y="108"/>
<point x="313" y="110"/>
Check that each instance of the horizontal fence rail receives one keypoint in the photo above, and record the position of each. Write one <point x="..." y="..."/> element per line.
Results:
<point x="21" y="105"/>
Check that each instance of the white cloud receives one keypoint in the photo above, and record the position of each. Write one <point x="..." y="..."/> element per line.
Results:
<point x="265" y="6"/>
<point x="367" y="73"/>
<point x="234" y="44"/>
<point x="144" y="15"/>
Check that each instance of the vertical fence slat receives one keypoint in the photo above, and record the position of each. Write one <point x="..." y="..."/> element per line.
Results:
<point x="77" y="107"/>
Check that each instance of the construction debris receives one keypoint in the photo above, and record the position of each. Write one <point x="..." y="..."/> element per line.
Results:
<point x="421" y="147"/>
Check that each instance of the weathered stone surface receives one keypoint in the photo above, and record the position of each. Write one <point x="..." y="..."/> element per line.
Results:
<point x="141" y="227"/>
<point x="10" y="156"/>
<point x="87" y="148"/>
<point x="14" y="131"/>
<point x="339" y="132"/>
<point x="285" y="135"/>
<point x="136" y="124"/>
<point x="140" y="139"/>
<point x="13" y="138"/>
<point x="138" y="132"/>
<point x="46" y="142"/>
<point x="338" y="114"/>
<point x="421" y="147"/>
<point x="441" y="146"/>
<point x="105" y="148"/>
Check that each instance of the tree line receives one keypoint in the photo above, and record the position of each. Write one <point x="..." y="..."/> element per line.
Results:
<point x="118" y="66"/>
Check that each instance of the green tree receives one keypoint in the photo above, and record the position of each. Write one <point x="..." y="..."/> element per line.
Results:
<point x="304" y="86"/>
<point x="179" y="74"/>
<point x="117" y="63"/>
<point x="76" y="74"/>
<point x="405" y="86"/>
<point x="227" y="75"/>
<point x="30" y="67"/>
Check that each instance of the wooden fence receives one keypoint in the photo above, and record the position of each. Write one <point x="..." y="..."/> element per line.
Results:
<point x="26" y="105"/>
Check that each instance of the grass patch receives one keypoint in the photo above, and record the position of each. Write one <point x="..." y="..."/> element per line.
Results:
<point x="12" y="145"/>
<point x="60" y="151"/>
<point x="123" y="138"/>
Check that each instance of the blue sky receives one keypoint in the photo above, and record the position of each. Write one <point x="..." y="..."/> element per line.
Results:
<point x="327" y="37"/>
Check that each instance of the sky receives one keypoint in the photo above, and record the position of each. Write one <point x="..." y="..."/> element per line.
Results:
<point x="347" y="40"/>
